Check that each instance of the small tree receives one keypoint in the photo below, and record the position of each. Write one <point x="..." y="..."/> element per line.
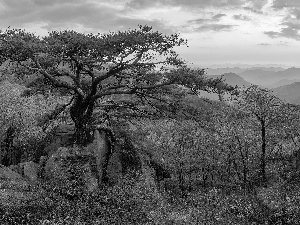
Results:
<point x="238" y="140"/>
<point x="120" y="70"/>
<point x="265" y="110"/>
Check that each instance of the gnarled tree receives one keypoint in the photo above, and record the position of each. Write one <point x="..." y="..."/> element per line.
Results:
<point x="103" y="70"/>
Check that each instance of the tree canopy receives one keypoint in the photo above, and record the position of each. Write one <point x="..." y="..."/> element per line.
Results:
<point x="133" y="70"/>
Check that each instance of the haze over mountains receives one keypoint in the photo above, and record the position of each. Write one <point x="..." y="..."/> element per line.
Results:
<point x="238" y="70"/>
<point x="285" y="83"/>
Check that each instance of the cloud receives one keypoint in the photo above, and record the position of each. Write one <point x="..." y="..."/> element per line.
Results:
<point x="257" y="4"/>
<point x="197" y="21"/>
<point x="218" y="16"/>
<point x="280" y="4"/>
<point x="214" y="27"/>
<point x="252" y="5"/>
<point x="70" y="14"/>
<point x="287" y="32"/>
<point x="214" y="18"/>
<point x="256" y="11"/>
<point x="294" y="13"/>
<point x="140" y="4"/>
<point x="290" y="29"/>
<point x="272" y="34"/>
<point x="264" y="44"/>
<point x="283" y="43"/>
<point x="241" y="17"/>
<point x="208" y="24"/>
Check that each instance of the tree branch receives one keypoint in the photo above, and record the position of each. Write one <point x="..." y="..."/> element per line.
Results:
<point x="130" y="91"/>
<point x="58" y="83"/>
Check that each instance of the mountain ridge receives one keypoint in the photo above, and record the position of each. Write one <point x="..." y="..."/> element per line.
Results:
<point x="289" y="93"/>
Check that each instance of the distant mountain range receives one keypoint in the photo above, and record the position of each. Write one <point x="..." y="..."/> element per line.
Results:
<point x="269" y="78"/>
<point x="285" y="84"/>
<point x="238" y="70"/>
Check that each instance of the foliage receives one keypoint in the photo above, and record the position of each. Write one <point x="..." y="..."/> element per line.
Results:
<point x="23" y="113"/>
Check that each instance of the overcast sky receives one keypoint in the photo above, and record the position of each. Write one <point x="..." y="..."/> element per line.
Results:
<point x="218" y="31"/>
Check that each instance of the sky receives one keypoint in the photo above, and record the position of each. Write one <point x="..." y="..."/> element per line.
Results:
<point x="219" y="32"/>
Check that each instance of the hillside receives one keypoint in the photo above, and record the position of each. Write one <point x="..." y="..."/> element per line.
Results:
<point x="289" y="93"/>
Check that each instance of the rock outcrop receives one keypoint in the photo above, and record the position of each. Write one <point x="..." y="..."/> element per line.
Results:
<point x="106" y="160"/>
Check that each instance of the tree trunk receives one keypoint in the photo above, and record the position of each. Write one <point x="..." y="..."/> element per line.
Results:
<point x="263" y="152"/>
<point x="9" y="154"/>
<point x="81" y="135"/>
<point x="220" y="96"/>
<point x="81" y="114"/>
<point x="190" y="179"/>
<point x="204" y="176"/>
<point x="297" y="156"/>
<point x="181" y="178"/>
